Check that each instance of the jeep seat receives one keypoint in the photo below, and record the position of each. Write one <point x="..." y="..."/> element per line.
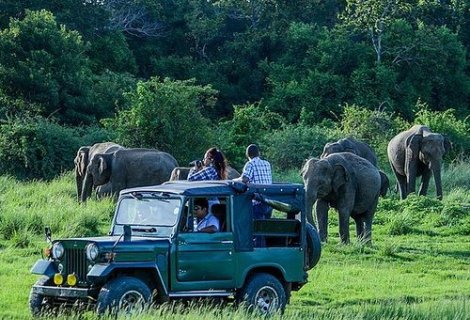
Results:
<point x="219" y="211"/>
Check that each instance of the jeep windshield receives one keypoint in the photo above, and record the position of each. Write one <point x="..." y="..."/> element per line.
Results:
<point x="148" y="213"/>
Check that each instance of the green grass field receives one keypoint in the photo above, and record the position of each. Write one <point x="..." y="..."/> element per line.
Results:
<point x="417" y="268"/>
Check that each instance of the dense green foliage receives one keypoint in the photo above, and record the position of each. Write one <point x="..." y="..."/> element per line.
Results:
<point x="287" y="75"/>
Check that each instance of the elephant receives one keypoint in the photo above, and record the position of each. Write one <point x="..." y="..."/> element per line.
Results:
<point x="361" y="149"/>
<point x="352" y="145"/>
<point x="181" y="173"/>
<point x="127" y="168"/>
<point x="348" y="183"/>
<point x="417" y="152"/>
<point x="82" y="159"/>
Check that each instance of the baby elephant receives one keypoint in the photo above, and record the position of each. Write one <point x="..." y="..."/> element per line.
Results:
<point x="348" y="183"/>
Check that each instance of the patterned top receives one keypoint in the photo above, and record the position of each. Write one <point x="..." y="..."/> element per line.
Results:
<point x="258" y="171"/>
<point x="208" y="173"/>
<point x="207" y="221"/>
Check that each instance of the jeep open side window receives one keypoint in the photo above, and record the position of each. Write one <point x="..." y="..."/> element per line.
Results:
<point x="218" y="206"/>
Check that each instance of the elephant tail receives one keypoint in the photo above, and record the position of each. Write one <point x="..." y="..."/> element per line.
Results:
<point x="384" y="183"/>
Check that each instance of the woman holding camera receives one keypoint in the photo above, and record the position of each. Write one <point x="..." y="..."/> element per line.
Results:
<point x="212" y="167"/>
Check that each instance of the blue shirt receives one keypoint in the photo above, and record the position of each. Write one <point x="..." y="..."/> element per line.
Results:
<point x="207" y="173"/>
<point x="207" y="221"/>
<point x="258" y="171"/>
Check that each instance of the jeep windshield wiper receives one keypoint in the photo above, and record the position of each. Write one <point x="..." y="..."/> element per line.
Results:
<point x="151" y="229"/>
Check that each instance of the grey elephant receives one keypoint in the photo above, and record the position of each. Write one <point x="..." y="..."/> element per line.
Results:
<point x="417" y="152"/>
<point x="82" y="159"/>
<point x="352" y="145"/>
<point x="127" y="168"/>
<point x="181" y="173"/>
<point x="348" y="183"/>
<point x="361" y="149"/>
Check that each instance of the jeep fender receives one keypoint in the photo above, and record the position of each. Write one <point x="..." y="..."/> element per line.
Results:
<point x="44" y="267"/>
<point x="101" y="272"/>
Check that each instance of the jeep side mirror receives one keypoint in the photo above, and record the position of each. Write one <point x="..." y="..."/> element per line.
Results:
<point x="48" y="234"/>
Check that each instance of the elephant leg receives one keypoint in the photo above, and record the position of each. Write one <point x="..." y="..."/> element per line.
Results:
<point x="321" y="210"/>
<point x="423" y="189"/>
<point x="368" y="216"/>
<point x="344" y="225"/>
<point x="401" y="180"/>
<point x="359" y="226"/>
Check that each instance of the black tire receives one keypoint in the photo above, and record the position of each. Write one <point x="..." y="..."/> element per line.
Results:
<point x="313" y="246"/>
<point x="263" y="293"/>
<point x="123" y="295"/>
<point x="38" y="304"/>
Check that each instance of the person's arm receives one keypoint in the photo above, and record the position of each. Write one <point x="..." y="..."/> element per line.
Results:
<point x="199" y="175"/>
<point x="209" y="229"/>
<point x="247" y="172"/>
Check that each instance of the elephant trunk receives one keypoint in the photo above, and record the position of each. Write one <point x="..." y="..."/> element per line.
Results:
<point x="436" y="171"/>
<point x="87" y="187"/>
<point x="79" y="182"/>
<point x="310" y="198"/>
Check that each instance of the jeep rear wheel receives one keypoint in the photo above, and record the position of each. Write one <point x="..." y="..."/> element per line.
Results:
<point x="313" y="252"/>
<point x="124" y="295"/>
<point x="39" y="304"/>
<point x="264" y="293"/>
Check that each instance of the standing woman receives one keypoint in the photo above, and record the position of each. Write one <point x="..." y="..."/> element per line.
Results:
<point x="214" y="167"/>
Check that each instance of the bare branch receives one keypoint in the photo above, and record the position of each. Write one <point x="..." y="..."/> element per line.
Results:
<point x="133" y="19"/>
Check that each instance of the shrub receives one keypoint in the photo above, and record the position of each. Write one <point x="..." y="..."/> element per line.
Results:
<point x="166" y="115"/>
<point x="400" y="225"/>
<point x="36" y="148"/>
<point x="288" y="147"/>
<point x="250" y="124"/>
<point x="451" y="214"/>
<point x="446" y="123"/>
<point x="419" y="207"/>
<point x="373" y="127"/>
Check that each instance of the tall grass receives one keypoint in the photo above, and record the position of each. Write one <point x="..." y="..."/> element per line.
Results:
<point x="418" y="266"/>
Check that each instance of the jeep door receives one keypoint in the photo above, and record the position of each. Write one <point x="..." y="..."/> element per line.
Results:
<point x="204" y="261"/>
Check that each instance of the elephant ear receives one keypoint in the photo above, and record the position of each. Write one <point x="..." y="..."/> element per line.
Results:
<point x="325" y="150"/>
<point x="412" y="147"/>
<point x="81" y="160"/>
<point x="340" y="177"/>
<point x="447" y="144"/>
<point x="308" y="163"/>
<point x="102" y="165"/>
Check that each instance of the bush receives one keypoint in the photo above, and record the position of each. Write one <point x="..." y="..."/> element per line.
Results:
<point x="288" y="147"/>
<point x="250" y="124"/>
<point x="445" y="122"/>
<point x="166" y="115"/>
<point x="400" y="224"/>
<point x="36" y="148"/>
<point x="374" y="127"/>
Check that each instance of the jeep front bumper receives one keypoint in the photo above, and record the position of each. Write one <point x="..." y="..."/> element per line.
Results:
<point x="63" y="292"/>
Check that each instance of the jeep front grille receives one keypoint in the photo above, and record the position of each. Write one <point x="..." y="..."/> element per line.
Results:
<point x="76" y="262"/>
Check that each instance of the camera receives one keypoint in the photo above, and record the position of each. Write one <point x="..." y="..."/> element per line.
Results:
<point x="197" y="163"/>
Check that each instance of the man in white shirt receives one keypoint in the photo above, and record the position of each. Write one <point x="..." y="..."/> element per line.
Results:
<point x="206" y="221"/>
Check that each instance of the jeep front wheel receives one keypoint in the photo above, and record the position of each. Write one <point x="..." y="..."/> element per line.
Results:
<point x="38" y="304"/>
<point x="123" y="295"/>
<point x="263" y="293"/>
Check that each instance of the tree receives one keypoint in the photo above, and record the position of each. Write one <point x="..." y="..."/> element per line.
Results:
<point x="373" y="18"/>
<point x="166" y="115"/>
<point x="250" y="124"/>
<point x="43" y="64"/>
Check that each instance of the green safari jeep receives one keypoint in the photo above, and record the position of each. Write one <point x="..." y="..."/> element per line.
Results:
<point x="153" y="254"/>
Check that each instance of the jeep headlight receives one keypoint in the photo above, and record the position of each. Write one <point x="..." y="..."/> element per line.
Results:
<point x="92" y="251"/>
<point x="57" y="250"/>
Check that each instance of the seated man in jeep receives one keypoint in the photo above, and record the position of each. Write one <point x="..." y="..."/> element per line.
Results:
<point x="206" y="221"/>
